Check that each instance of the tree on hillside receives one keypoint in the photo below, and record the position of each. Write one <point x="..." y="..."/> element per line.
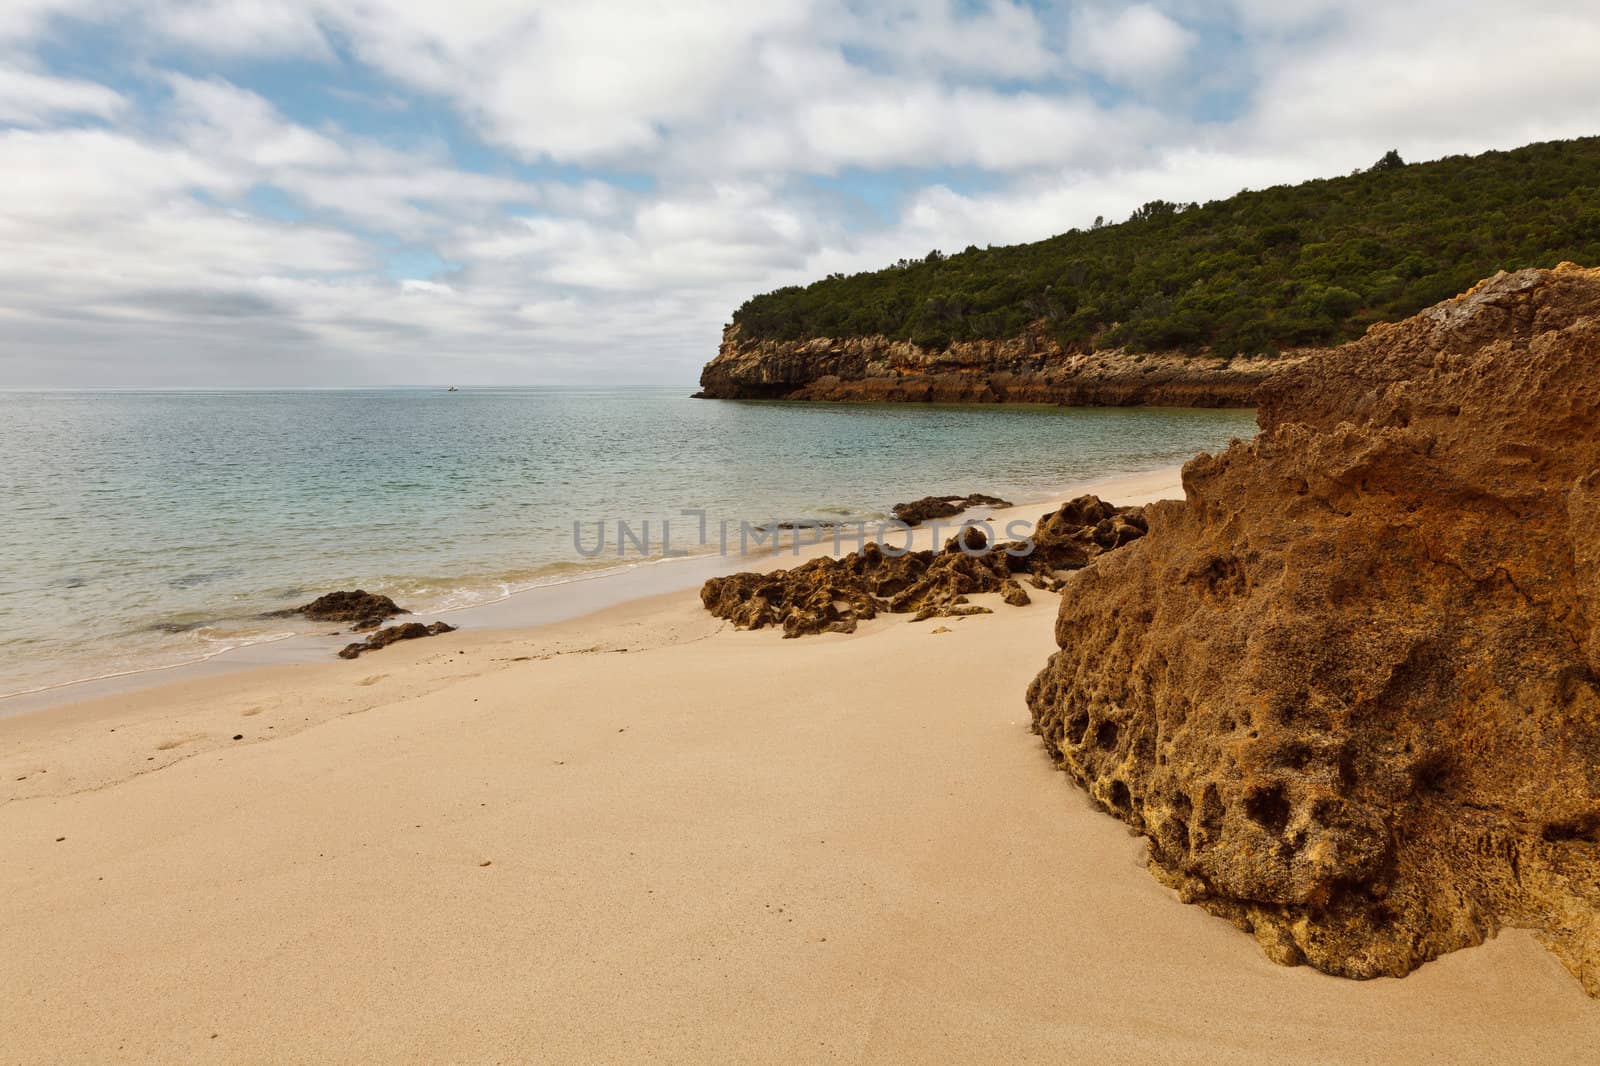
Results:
<point x="1391" y="161"/>
<point x="1277" y="268"/>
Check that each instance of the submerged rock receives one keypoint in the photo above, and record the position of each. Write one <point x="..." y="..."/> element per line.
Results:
<point x="1350" y="688"/>
<point x="389" y="634"/>
<point x="830" y="595"/>
<point x="931" y="507"/>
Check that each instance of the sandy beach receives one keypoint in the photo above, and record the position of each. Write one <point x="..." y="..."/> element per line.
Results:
<point x="641" y="835"/>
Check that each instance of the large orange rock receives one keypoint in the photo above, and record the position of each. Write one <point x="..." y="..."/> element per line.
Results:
<point x="1350" y="687"/>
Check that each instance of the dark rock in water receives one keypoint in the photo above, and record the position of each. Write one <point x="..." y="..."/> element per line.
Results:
<point x="831" y="595"/>
<point x="818" y="524"/>
<point x="178" y="627"/>
<point x="357" y="606"/>
<point x="931" y="507"/>
<point x="205" y="577"/>
<point x="385" y="637"/>
<point x="1350" y="688"/>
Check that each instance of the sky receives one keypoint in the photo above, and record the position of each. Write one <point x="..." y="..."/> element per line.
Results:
<point x="308" y="193"/>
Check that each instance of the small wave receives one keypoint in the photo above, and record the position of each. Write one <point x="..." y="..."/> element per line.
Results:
<point x="178" y="627"/>
<point x="204" y="577"/>
<point x="221" y="647"/>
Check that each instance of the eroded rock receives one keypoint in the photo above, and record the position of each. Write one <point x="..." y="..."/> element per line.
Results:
<point x="1350" y="687"/>
<point x="1014" y="594"/>
<point x="831" y="595"/>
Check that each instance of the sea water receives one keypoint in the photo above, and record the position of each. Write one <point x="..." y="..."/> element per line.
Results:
<point x="143" y="529"/>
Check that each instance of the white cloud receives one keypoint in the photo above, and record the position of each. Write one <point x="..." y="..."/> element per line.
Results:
<point x="926" y="126"/>
<point x="642" y="168"/>
<point x="242" y="27"/>
<point x="362" y="181"/>
<point x="1427" y="77"/>
<point x="96" y="175"/>
<point x="569" y="81"/>
<point x="1001" y="39"/>
<point x="244" y="128"/>
<point x="1134" y="46"/>
<point x="29" y="99"/>
<point x="22" y="19"/>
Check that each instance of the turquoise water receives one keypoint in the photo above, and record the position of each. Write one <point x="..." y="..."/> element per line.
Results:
<point x="147" y="528"/>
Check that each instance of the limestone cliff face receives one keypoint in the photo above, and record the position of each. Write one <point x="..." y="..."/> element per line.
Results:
<point x="1350" y="687"/>
<point x="1026" y="369"/>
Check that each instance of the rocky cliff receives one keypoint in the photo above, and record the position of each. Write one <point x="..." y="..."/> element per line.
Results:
<point x="1026" y="369"/>
<point x="1349" y="688"/>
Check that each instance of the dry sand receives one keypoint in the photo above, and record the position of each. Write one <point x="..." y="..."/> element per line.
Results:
<point x="643" y="836"/>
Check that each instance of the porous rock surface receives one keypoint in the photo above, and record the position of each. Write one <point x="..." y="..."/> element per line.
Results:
<point x="1349" y="688"/>
<point x="831" y="595"/>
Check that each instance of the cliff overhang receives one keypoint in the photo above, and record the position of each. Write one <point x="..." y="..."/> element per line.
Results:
<point x="1029" y="368"/>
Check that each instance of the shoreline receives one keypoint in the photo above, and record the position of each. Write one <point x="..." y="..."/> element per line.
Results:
<point x="498" y="842"/>
<point x="518" y="609"/>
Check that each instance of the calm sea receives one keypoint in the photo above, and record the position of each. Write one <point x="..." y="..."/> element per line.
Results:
<point x="142" y="529"/>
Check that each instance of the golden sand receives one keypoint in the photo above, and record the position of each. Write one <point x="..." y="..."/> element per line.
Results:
<point x="643" y="836"/>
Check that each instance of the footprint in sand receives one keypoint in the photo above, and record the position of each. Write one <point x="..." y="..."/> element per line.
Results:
<point x="253" y="711"/>
<point x="178" y="742"/>
<point x="373" y="680"/>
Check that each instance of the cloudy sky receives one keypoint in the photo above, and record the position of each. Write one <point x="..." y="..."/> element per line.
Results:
<point x="347" y="192"/>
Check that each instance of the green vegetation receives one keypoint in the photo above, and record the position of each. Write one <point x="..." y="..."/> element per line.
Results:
<point x="1283" y="267"/>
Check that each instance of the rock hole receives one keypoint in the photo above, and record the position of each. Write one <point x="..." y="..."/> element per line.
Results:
<point x="1583" y="831"/>
<point x="1268" y="808"/>
<point x="1347" y="770"/>
<point x="1173" y="835"/>
<point x="1325" y="812"/>
<point x="1295" y="757"/>
<point x="1573" y="681"/>
<point x="1431" y="773"/>
<point x="1119" y="796"/>
<point x="1212" y="812"/>
<point x="1105" y="736"/>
